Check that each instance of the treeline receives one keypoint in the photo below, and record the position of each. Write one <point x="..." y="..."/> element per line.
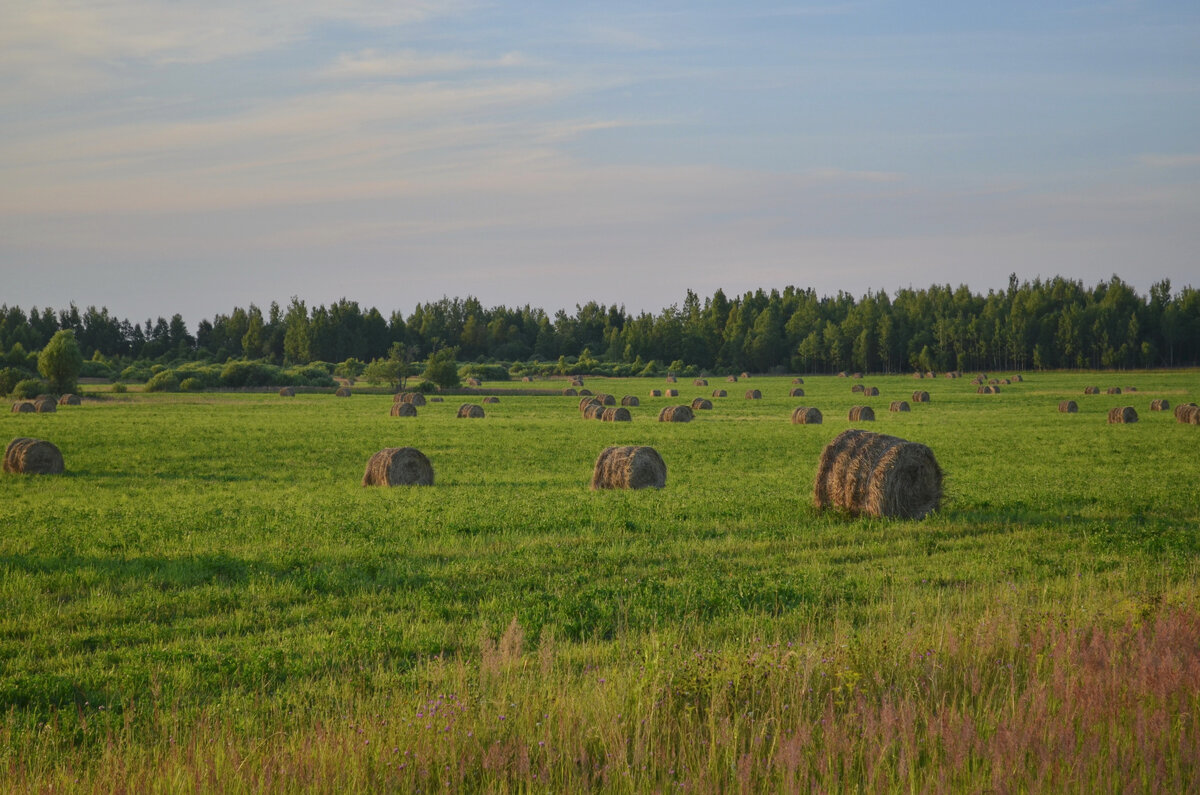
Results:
<point x="1053" y="323"/>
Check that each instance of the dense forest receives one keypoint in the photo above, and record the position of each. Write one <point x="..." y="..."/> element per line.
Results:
<point x="1054" y="323"/>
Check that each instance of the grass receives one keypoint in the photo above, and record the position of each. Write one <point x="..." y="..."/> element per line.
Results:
<point x="208" y="599"/>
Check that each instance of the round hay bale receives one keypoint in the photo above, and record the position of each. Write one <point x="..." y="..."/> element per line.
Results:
<point x="585" y="392"/>
<point x="797" y="381"/>
<point x="862" y="414"/>
<point x="584" y="402"/>
<point x="526" y="379"/>
<point x="45" y="405"/>
<point x="630" y="400"/>
<point x="676" y="414"/>
<point x="952" y="374"/>
<point x="399" y="397"/>
<point x="23" y="407"/>
<point x="593" y="411"/>
<point x="655" y="393"/>
<point x="930" y="374"/>
<point x="671" y="393"/>
<point x="720" y="393"/>
<point x="342" y="391"/>
<point x="857" y="388"/>
<point x="700" y="382"/>
<point x="1122" y="415"/>
<point x="918" y="375"/>
<point x="988" y="390"/>
<point x="1160" y="404"/>
<point x="1018" y="378"/>
<point x="606" y="399"/>
<point x="431" y="400"/>
<point x="732" y="379"/>
<point x="1091" y="390"/>
<point x="899" y="405"/>
<point x="416" y="398"/>
<point x="753" y="394"/>
<point x="1182" y="408"/>
<point x="576" y="380"/>
<point x="69" y="400"/>
<point x="404" y="410"/>
<point x="672" y="379"/>
<point x="871" y="391"/>
<point x="796" y="392"/>
<point x="398" y="466"/>
<point x="25" y="456"/>
<point x="1113" y="390"/>
<point x="745" y="375"/>
<point x="616" y="414"/>
<point x="491" y="399"/>
<point x="630" y="467"/>
<point x="872" y="474"/>
<point x="470" y="411"/>
<point x="701" y="404"/>
<point x="856" y="375"/>
<point x="474" y="382"/>
<point x="993" y="381"/>
<point x="806" y="415"/>
<point x="1005" y="381"/>
<point x="920" y="396"/>
<point x="1068" y="407"/>
<point x="1188" y="414"/>
<point x="287" y="391"/>
<point x="569" y="392"/>
<point x="843" y="374"/>
<point x="1131" y="389"/>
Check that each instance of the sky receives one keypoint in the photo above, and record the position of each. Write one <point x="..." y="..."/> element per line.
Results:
<point x="159" y="156"/>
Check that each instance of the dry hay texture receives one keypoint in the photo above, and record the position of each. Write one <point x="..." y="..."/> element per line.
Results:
<point x="918" y="375"/>
<point x="899" y="405"/>
<point x="404" y="410"/>
<point x="593" y="411"/>
<point x="745" y="375"/>
<point x="473" y="382"/>
<point x="871" y="391"/>
<point x="526" y="379"/>
<point x="796" y="392"/>
<point x="806" y="415"/>
<point x="988" y="390"/>
<point x="753" y="394"/>
<point x="1160" y="404"/>
<point x="701" y="404"/>
<point x="861" y="414"/>
<point x="676" y="414"/>
<point x="797" y="380"/>
<point x="1005" y="381"/>
<point x="342" y="392"/>
<point x="616" y="414"/>
<point x="732" y="379"/>
<point x="606" y="399"/>
<point x="1188" y="414"/>
<point x="672" y="393"/>
<point x="415" y="398"/>
<point x="630" y="400"/>
<point x="470" y="410"/>
<point x="1122" y="415"/>
<point x="630" y="467"/>
<point x="720" y="393"/>
<point x="45" y="405"/>
<point x="843" y="374"/>
<point x="872" y="474"/>
<point x="25" y="456"/>
<point x="856" y="375"/>
<point x="1091" y="390"/>
<point x="585" y="391"/>
<point x="655" y="393"/>
<point x="672" y="379"/>
<point x="1113" y="390"/>
<point x="1068" y="407"/>
<point x="287" y="391"/>
<point x="930" y="374"/>
<point x="700" y="382"/>
<point x="1131" y="389"/>
<point x="857" y="388"/>
<point x="584" y="402"/>
<point x="23" y="407"/>
<point x="1018" y="378"/>
<point x="920" y="396"/>
<point x="398" y="466"/>
<point x="491" y="399"/>
<point x="69" y="400"/>
<point x="569" y="392"/>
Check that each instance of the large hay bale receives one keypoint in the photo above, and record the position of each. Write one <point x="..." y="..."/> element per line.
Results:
<point x="701" y="404"/>
<point x="862" y="414"/>
<point x="45" y="405"/>
<point x="1068" y="407"/>
<point x="753" y="394"/>
<point x="398" y="466"/>
<point x="287" y="391"/>
<point x="592" y="411"/>
<point x="806" y="415"/>
<point x="25" y="456"/>
<point x="872" y="474"/>
<point x="796" y="392"/>
<point x="899" y="405"/>
<point x="671" y="393"/>
<point x="655" y="393"/>
<point x="606" y="399"/>
<point x="69" y="400"/>
<point x="720" y="393"/>
<point x="342" y="391"/>
<point x="676" y="414"/>
<point x="672" y="379"/>
<point x="1160" y="404"/>
<point x="585" y="392"/>
<point x="797" y="381"/>
<point x="700" y="382"/>
<point x="415" y="398"/>
<point x="630" y="400"/>
<point x="1091" y="390"/>
<point x="569" y="392"/>
<point x="584" y="402"/>
<point x="629" y="467"/>
<point x="871" y="391"/>
<point x="857" y="388"/>
<point x="616" y="414"/>
<point x="23" y="407"/>
<point x="1181" y="408"/>
<point x="470" y="410"/>
<point x="920" y="396"/>
<point x="491" y="399"/>
<point x="1188" y="414"/>
<point x="993" y="381"/>
<point x="474" y="382"/>
<point x="1122" y="415"/>
<point x="404" y="410"/>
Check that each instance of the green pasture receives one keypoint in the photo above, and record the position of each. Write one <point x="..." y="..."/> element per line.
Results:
<point x="216" y="551"/>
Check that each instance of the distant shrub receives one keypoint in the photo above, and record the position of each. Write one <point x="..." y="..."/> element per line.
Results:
<point x="30" y="388"/>
<point x="10" y="377"/>
<point x="119" y="388"/>
<point x="484" y="372"/>
<point x="95" y="369"/>
<point x="155" y="369"/>
<point x="163" y="381"/>
<point x="191" y="385"/>
<point x="253" y="373"/>
<point x="208" y="375"/>
<point x="136" y="372"/>
<point x="307" y="375"/>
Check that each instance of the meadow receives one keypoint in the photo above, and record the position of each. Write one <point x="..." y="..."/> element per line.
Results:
<point x="208" y="598"/>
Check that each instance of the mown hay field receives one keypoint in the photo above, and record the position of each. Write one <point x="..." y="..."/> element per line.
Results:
<point x="208" y="596"/>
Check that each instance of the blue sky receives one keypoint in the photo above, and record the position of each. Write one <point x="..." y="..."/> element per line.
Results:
<point x="158" y="157"/>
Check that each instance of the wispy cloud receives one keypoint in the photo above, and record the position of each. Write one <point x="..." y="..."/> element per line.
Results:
<point x="1170" y="161"/>
<point x="367" y="64"/>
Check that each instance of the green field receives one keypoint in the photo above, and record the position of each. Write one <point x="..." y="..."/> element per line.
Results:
<point x="208" y="599"/>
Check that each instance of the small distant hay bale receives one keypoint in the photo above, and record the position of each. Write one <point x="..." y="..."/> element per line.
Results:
<point x="576" y="380"/>
<point x="1091" y="390"/>
<point x="606" y="399"/>
<point x="806" y="415"/>
<point x="920" y="396"/>
<point x="404" y="410"/>
<point x="415" y="398"/>
<point x="45" y="405"/>
<point x="585" y="392"/>
<point x="491" y="399"/>
<point x="857" y="388"/>
<point x="1006" y="381"/>
<point x="994" y="381"/>
<point x="671" y="393"/>
<point x="630" y="400"/>
<point x="720" y="393"/>
<point x="702" y="404"/>
<point x="1131" y="389"/>
<point x="655" y="393"/>
<point x="398" y="466"/>
<point x="1188" y="414"/>
<point x="856" y="375"/>
<point x="989" y="389"/>
<point x="871" y="391"/>
<point x="930" y="374"/>
<point x="1018" y="378"/>
<point x="797" y="381"/>
<point x="69" y="400"/>
<point x="753" y="394"/>
<point x="732" y="379"/>
<point x="899" y="405"/>
<point x="431" y="400"/>
<point x="1068" y="407"/>
<point x="25" y="456"/>
<point x="592" y="411"/>
<point x="526" y="379"/>
<point x="872" y="474"/>
<point x="918" y="375"/>
<point x="862" y="414"/>
<point x="473" y="382"/>
<point x="470" y="411"/>
<point x="977" y="380"/>
<point x="342" y="391"/>
<point x="1113" y="390"/>
<point x="676" y="414"/>
<point x="630" y="467"/>
<point x="23" y="407"/>
<point x="1160" y="404"/>
<point x="672" y="379"/>
<point x="796" y="392"/>
<point x="287" y="391"/>
<point x="584" y="402"/>
<point x="745" y="375"/>
<point x="569" y="392"/>
<point x="616" y="414"/>
<point x="843" y="374"/>
<point x="953" y="374"/>
<point x="700" y="382"/>
<point x="1122" y="415"/>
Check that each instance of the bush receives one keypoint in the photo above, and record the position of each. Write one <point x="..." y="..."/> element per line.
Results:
<point x="164" y="381"/>
<point x="208" y="375"/>
<point x="30" y="388"/>
<point x="60" y="361"/>
<point x="10" y="377"/>
<point x="136" y="372"/>
<point x="484" y="372"/>
<point x="191" y="385"/>
<point x="119" y="389"/>
<point x="253" y="373"/>
<point x="95" y="369"/>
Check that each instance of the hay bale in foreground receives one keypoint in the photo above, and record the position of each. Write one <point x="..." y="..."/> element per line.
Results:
<point x="23" y="407"/>
<point x="607" y="400"/>
<point x="491" y="399"/>
<point x="1091" y="390"/>
<point x="871" y="391"/>
<point x="655" y="393"/>
<point x="720" y="393"/>
<point x="872" y="474"/>
<point x="569" y="392"/>
<point x="593" y="411"/>
<point x="899" y="405"/>
<point x="1068" y="407"/>
<point x="70" y="400"/>
<point x="1160" y="404"/>
<point x="25" y="456"/>
<point x="287" y="391"/>
<point x="398" y="466"/>
<point x="342" y="391"/>
<point x="701" y="404"/>
<point x="630" y="400"/>
<point x="584" y="402"/>
<point x="615" y="414"/>
<point x="806" y="415"/>
<point x="45" y="405"/>
<point x="796" y="392"/>
<point x="700" y="382"/>
<point x="629" y="467"/>
<point x="671" y="393"/>
<point x="470" y="410"/>
<point x="1188" y="414"/>
<point x="585" y="392"/>
<point x="920" y="396"/>
<point x="676" y="414"/>
<point x="1122" y="415"/>
<point x="862" y="414"/>
<point x="753" y="394"/>
<point x="404" y="410"/>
